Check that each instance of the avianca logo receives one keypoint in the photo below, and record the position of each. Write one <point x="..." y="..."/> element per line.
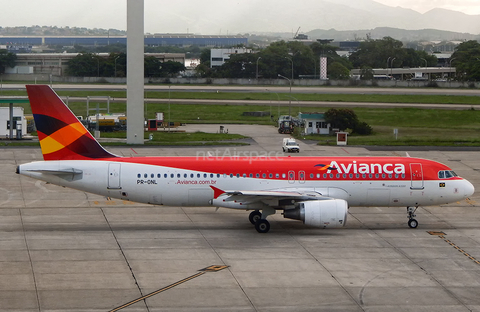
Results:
<point x="323" y="167"/>
<point x="362" y="168"/>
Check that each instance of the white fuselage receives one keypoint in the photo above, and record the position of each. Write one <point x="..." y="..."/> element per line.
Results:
<point x="163" y="185"/>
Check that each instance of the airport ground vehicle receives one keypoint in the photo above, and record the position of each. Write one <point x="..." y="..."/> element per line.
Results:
<point x="290" y="145"/>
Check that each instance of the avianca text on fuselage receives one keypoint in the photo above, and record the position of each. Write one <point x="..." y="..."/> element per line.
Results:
<point x="362" y="168"/>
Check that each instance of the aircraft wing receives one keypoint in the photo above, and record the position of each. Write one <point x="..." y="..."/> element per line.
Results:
<point x="247" y="196"/>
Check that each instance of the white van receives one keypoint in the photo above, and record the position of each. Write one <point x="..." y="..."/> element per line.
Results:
<point x="290" y="145"/>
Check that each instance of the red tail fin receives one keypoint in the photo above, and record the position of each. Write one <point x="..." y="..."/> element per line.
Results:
<point x="62" y="136"/>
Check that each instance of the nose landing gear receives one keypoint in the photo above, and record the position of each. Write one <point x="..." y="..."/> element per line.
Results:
<point x="412" y="222"/>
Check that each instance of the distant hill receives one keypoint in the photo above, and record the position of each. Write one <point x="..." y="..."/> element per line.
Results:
<point x="346" y="15"/>
<point x="396" y="33"/>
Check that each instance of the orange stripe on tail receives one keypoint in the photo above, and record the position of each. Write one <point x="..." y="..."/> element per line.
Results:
<point x="62" y="136"/>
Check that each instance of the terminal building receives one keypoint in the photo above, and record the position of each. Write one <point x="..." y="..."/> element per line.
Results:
<point x="181" y="40"/>
<point x="56" y="63"/>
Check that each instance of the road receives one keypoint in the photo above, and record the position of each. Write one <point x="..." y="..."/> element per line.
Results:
<point x="273" y="89"/>
<point x="284" y="102"/>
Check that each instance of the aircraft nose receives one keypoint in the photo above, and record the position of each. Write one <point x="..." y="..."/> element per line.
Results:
<point x="468" y="188"/>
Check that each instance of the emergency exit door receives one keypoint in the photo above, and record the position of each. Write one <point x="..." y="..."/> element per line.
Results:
<point x="114" y="176"/>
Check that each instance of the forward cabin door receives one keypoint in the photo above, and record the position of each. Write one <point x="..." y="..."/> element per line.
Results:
<point x="114" y="176"/>
<point x="417" y="176"/>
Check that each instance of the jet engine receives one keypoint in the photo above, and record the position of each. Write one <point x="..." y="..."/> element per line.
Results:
<point x="330" y="213"/>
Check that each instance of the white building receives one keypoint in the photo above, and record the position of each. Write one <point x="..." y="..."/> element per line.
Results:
<point x="314" y="123"/>
<point x="219" y="56"/>
<point x="19" y="121"/>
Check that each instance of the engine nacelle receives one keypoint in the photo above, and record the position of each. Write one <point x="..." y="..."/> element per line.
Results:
<point x="330" y="213"/>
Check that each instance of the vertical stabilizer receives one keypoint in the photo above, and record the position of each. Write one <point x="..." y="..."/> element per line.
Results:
<point x="62" y="136"/>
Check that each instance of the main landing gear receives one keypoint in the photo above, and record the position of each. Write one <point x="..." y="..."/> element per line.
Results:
<point x="259" y="220"/>
<point x="412" y="222"/>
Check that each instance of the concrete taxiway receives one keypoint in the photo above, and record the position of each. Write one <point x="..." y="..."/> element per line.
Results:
<point x="65" y="250"/>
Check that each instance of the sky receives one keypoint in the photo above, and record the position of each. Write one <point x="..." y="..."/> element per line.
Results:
<point x="471" y="7"/>
<point x="179" y="16"/>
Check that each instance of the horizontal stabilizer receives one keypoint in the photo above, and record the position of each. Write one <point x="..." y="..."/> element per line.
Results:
<point x="57" y="171"/>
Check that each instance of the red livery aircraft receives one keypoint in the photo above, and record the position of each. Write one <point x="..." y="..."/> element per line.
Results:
<point x="315" y="190"/>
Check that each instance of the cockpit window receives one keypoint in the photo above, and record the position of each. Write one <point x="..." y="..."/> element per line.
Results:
<point x="446" y="174"/>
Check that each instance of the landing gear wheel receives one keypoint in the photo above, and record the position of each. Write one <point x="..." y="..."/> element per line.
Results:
<point x="412" y="223"/>
<point x="262" y="226"/>
<point x="254" y="216"/>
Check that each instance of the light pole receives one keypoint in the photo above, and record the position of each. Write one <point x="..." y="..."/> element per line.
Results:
<point x="291" y="60"/>
<point x="278" y="103"/>
<point x="426" y="65"/>
<point x="451" y="60"/>
<point x="290" y="100"/>
<point x="298" y="103"/>
<point x="391" y="67"/>
<point x="115" y="61"/>
<point x="98" y="67"/>
<point x="256" y="73"/>
<point x="169" y="108"/>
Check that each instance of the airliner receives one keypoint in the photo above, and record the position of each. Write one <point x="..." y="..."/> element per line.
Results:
<point x="315" y="190"/>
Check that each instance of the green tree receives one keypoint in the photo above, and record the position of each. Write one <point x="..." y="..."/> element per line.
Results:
<point x="86" y="65"/>
<point x="274" y="61"/>
<point x="116" y="65"/>
<point x="376" y="53"/>
<point x="155" y="68"/>
<point x="239" y="66"/>
<point x="388" y="53"/>
<point x="336" y="70"/>
<point x="7" y="59"/>
<point x="466" y="60"/>
<point x="171" y="68"/>
<point x="342" y="118"/>
<point x="152" y="67"/>
<point x="366" y="73"/>
<point x="205" y="57"/>
<point x="345" y="118"/>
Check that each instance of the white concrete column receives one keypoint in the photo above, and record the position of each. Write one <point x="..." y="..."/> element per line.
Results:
<point x="323" y="68"/>
<point x="135" y="79"/>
